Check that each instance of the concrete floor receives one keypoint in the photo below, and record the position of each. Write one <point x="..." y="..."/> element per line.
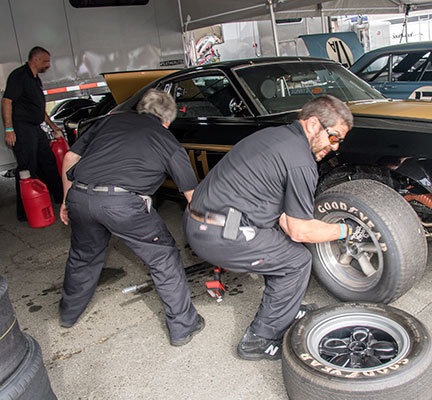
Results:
<point x="119" y="348"/>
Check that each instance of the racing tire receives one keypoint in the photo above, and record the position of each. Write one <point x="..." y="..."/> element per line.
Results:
<point x="30" y="380"/>
<point x="355" y="351"/>
<point x="12" y="341"/>
<point x="392" y="255"/>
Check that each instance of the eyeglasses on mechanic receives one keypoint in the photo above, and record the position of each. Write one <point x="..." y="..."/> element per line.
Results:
<point x="333" y="138"/>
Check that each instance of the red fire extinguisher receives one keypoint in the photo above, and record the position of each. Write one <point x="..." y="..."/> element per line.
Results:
<point x="36" y="200"/>
<point x="59" y="147"/>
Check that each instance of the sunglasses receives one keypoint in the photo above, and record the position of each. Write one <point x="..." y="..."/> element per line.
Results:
<point x="333" y="138"/>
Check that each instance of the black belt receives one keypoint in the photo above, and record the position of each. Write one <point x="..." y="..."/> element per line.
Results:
<point x="208" y="217"/>
<point x="98" y="188"/>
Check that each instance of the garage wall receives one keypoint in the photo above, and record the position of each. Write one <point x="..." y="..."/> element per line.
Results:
<point x="87" y="41"/>
<point x="9" y="53"/>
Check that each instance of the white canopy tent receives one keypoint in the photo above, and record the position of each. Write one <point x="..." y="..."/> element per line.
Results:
<point x="356" y="7"/>
<point x="198" y="14"/>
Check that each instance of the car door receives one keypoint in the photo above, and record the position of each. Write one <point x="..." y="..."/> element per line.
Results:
<point x="380" y="75"/>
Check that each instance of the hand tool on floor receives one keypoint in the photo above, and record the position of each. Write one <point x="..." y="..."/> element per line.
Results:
<point x="149" y="283"/>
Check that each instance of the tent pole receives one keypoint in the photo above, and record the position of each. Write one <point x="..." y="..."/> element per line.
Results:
<point x="323" y="22"/>
<point x="186" y="57"/>
<point x="274" y="28"/>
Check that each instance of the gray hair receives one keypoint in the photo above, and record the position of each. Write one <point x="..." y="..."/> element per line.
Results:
<point x="37" y="50"/>
<point x="329" y="110"/>
<point x="159" y="103"/>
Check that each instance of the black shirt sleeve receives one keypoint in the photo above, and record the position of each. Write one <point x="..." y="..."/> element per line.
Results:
<point x="181" y="171"/>
<point x="300" y="191"/>
<point x="14" y="86"/>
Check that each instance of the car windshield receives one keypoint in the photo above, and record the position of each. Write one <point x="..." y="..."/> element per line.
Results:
<point x="280" y="87"/>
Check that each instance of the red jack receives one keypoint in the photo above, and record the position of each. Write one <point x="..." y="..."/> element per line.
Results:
<point x="215" y="287"/>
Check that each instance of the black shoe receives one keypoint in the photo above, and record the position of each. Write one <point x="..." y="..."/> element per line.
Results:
<point x="304" y="309"/>
<point x="198" y="328"/>
<point x="67" y="324"/>
<point x="253" y="347"/>
<point x="22" y="218"/>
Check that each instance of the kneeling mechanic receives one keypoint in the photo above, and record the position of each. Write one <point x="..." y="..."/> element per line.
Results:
<point x="255" y="207"/>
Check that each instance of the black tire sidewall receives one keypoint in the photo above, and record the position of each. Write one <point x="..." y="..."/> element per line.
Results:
<point x="30" y="380"/>
<point x="13" y="345"/>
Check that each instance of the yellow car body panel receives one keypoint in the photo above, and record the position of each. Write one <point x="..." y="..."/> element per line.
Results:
<point x="125" y="84"/>
<point x="411" y="109"/>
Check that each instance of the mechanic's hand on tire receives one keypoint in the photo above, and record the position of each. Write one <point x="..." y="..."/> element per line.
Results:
<point x="356" y="233"/>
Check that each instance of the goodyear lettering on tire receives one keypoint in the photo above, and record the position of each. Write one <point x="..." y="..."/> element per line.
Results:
<point x="334" y="371"/>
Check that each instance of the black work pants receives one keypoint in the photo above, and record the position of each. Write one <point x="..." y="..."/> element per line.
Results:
<point x="285" y="265"/>
<point x="94" y="216"/>
<point x="33" y="152"/>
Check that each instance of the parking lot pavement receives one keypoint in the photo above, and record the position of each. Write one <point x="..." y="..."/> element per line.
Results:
<point x="119" y="348"/>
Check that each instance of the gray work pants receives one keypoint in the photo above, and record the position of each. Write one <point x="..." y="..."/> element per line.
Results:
<point x="94" y="216"/>
<point x="285" y="265"/>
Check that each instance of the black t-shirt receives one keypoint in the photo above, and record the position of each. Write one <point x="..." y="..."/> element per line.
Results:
<point x="133" y="151"/>
<point x="25" y="91"/>
<point x="268" y="173"/>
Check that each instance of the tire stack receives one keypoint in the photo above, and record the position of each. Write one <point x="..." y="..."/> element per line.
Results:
<point x="22" y="373"/>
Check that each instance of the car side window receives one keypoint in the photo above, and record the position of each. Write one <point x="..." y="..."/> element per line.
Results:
<point x="206" y="96"/>
<point x="377" y="71"/>
<point x="405" y="67"/>
<point x="415" y="67"/>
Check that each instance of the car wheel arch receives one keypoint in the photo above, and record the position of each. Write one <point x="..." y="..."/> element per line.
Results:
<point x="346" y="173"/>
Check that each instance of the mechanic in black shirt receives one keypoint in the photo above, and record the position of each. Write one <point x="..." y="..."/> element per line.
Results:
<point x="255" y="207"/>
<point x="111" y="172"/>
<point x="23" y="111"/>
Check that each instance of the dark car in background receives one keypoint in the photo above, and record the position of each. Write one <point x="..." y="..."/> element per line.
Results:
<point x="68" y="113"/>
<point x="380" y="178"/>
<point x="402" y="71"/>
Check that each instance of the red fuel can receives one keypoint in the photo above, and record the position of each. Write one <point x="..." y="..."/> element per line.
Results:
<point x="59" y="147"/>
<point x="36" y="200"/>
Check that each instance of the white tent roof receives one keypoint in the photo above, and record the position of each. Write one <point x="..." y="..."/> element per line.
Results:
<point x="200" y="13"/>
<point x="356" y="7"/>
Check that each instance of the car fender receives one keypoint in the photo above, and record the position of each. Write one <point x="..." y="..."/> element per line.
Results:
<point x="419" y="170"/>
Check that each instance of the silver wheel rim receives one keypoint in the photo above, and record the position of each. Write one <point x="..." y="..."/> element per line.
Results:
<point x="352" y="276"/>
<point x="387" y="342"/>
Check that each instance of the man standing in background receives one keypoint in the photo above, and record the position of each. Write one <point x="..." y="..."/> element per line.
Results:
<point x="23" y="111"/>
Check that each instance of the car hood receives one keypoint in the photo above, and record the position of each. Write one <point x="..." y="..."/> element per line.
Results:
<point x="400" y="109"/>
<point x="125" y="84"/>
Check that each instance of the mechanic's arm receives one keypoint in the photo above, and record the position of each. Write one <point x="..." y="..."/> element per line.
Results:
<point x="188" y="194"/>
<point x="310" y="231"/>
<point x="56" y="129"/>
<point x="6" y="106"/>
<point x="180" y="169"/>
<point x="69" y="160"/>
